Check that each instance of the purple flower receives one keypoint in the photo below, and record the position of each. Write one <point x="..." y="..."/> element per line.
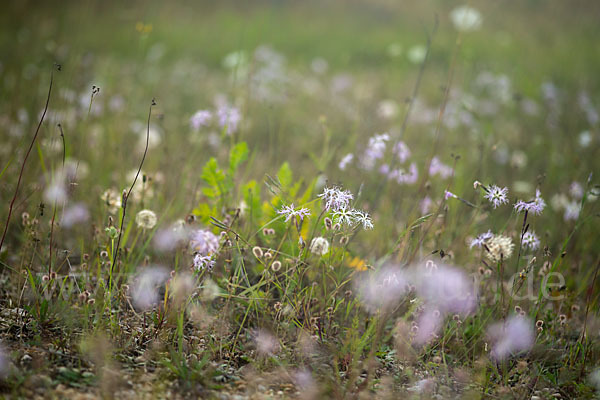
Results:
<point x="449" y="195"/>
<point x="336" y="198"/>
<point x="167" y="239"/>
<point x="75" y="214"/>
<point x="530" y="241"/>
<point x="576" y="190"/>
<point x="375" y="150"/>
<point x="200" y="118"/>
<point x="512" y="336"/>
<point x="497" y="195"/>
<point x="402" y="151"/>
<point x="410" y="177"/>
<point x="344" y="216"/>
<point x="229" y="118"/>
<point x="572" y="210"/>
<point x="429" y="323"/>
<point x="204" y="242"/>
<point x="438" y="168"/>
<point x="481" y="239"/>
<point x="446" y="288"/>
<point x="383" y="288"/>
<point x="363" y="218"/>
<point x="426" y="204"/>
<point x="535" y="206"/>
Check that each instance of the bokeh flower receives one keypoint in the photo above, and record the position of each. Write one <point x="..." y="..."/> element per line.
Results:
<point x="319" y="246"/>
<point x="146" y="219"/>
<point x="465" y="18"/>
<point x="146" y="287"/>
<point x="499" y="248"/>
<point x="204" y="242"/>
<point x="512" y="336"/>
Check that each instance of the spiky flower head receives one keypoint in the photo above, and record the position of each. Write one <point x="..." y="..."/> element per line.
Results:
<point x="335" y="198"/>
<point x="363" y="218"/>
<point x="203" y="262"/>
<point x="499" y="248"/>
<point x="344" y="216"/>
<point x="290" y="211"/>
<point x="481" y="239"/>
<point x="497" y="195"/>
<point x="535" y="206"/>
<point x="530" y="241"/>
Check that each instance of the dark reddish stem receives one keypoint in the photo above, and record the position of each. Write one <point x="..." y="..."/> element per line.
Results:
<point x="37" y="131"/>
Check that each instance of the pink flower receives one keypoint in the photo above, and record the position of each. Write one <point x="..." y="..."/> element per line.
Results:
<point x="383" y="288"/>
<point x="445" y="288"/>
<point x="145" y="288"/>
<point x="512" y="336"/>
<point x="429" y="323"/>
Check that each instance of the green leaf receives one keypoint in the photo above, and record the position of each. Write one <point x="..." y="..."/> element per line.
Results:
<point x="251" y="192"/>
<point x="204" y="212"/>
<point x="238" y="154"/>
<point x="215" y="178"/>
<point x="285" y="175"/>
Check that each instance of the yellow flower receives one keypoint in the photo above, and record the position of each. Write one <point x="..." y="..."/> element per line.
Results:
<point x="358" y="264"/>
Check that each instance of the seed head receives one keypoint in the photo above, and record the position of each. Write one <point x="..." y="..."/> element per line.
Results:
<point x="276" y="266"/>
<point x="257" y="251"/>
<point x="499" y="248"/>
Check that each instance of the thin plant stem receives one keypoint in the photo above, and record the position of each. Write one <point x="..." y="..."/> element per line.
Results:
<point x="37" y="131"/>
<point x="126" y="198"/>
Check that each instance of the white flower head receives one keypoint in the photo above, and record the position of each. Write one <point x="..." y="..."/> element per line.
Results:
<point x="336" y="198"/>
<point x="290" y="211"/>
<point x="146" y="219"/>
<point x="499" y="248"/>
<point x="344" y="216"/>
<point x="363" y="218"/>
<point x="203" y="262"/>
<point x="347" y="159"/>
<point x="465" y="18"/>
<point x="319" y="246"/>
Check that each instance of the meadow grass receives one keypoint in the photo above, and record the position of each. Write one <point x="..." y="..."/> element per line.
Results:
<point x="316" y="200"/>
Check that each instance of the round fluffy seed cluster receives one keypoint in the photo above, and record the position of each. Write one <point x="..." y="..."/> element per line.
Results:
<point x="499" y="248"/>
<point x="146" y="219"/>
<point x="319" y="246"/>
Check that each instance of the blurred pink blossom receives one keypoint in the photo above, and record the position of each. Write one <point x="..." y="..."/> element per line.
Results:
<point x="75" y="214"/>
<point x="509" y="337"/>
<point x="446" y="288"/>
<point x="145" y="287"/>
<point x="383" y="288"/>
